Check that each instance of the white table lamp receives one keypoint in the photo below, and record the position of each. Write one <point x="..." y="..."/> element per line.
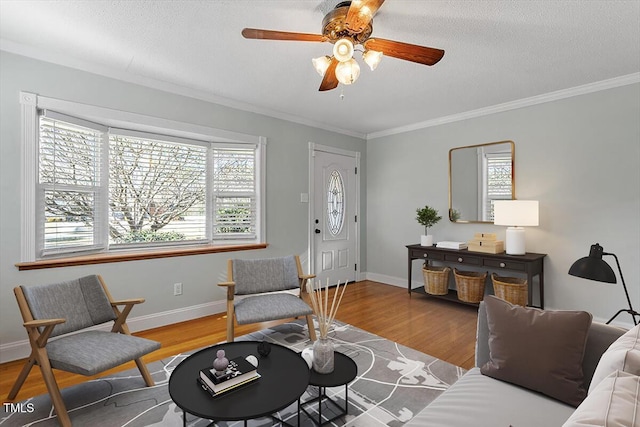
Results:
<point x="515" y="214"/>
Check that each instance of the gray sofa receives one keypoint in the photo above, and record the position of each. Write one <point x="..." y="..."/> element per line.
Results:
<point x="479" y="400"/>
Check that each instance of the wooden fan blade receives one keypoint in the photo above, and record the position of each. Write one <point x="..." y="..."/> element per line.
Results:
<point x="330" y="81"/>
<point x="255" y="33"/>
<point x="409" y="52"/>
<point x="360" y="13"/>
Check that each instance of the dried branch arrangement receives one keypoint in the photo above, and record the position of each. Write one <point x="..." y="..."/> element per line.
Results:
<point x="320" y="304"/>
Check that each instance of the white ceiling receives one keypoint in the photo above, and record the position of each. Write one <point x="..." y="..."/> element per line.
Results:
<point x="496" y="52"/>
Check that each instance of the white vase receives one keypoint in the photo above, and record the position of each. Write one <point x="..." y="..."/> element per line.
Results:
<point x="426" y="240"/>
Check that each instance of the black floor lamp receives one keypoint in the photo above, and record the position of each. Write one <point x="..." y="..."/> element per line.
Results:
<point x="593" y="267"/>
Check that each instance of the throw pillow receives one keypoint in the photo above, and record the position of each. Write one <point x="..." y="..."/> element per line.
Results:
<point x="614" y="402"/>
<point x="537" y="349"/>
<point x="622" y="355"/>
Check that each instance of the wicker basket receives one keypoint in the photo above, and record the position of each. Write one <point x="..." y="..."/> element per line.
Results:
<point x="470" y="285"/>
<point x="512" y="289"/>
<point x="436" y="280"/>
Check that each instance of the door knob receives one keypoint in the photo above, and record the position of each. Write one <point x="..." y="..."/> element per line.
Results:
<point x="317" y="231"/>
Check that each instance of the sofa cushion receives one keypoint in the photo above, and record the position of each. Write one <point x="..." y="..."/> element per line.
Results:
<point x="541" y="350"/>
<point x="614" y="402"/>
<point x="622" y="355"/>
<point x="478" y="400"/>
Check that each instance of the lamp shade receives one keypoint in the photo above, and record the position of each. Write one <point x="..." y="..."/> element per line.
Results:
<point x="593" y="267"/>
<point x="348" y="72"/>
<point x="515" y="213"/>
<point x="321" y="64"/>
<point x="372" y="58"/>
<point x="343" y="50"/>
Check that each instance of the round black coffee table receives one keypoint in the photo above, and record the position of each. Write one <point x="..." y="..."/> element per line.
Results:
<point x="344" y="371"/>
<point x="284" y="377"/>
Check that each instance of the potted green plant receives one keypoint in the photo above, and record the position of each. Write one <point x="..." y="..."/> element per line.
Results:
<point x="428" y="217"/>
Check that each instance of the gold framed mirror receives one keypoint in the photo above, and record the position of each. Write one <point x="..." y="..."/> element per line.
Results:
<point x="478" y="175"/>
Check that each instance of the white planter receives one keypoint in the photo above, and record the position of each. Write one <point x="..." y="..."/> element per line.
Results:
<point x="426" y="240"/>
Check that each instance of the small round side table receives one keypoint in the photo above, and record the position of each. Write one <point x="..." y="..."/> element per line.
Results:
<point x="344" y="371"/>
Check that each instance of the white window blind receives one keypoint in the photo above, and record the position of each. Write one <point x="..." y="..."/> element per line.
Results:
<point x="157" y="191"/>
<point x="498" y="172"/>
<point x="69" y="184"/>
<point x="96" y="179"/>
<point x="234" y="193"/>
<point x="105" y="188"/>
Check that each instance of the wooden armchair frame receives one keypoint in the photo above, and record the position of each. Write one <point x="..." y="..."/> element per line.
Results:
<point x="38" y="340"/>
<point x="230" y="285"/>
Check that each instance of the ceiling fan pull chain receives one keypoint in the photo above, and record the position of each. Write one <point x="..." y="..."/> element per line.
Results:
<point x="342" y="93"/>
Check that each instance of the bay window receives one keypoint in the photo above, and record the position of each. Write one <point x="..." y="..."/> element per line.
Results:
<point x="102" y="188"/>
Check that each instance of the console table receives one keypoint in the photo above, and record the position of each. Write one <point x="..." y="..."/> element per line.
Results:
<point x="530" y="264"/>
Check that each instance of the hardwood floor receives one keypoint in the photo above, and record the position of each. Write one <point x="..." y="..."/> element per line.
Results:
<point x="440" y="328"/>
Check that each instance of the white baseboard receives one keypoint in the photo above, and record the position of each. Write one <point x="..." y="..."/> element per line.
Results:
<point x="400" y="282"/>
<point x="21" y="349"/>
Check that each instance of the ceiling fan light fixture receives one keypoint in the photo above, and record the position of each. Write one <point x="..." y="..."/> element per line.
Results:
<point x="321" y="64"/>
<point x="343" y="50"/>
<point x="372" y="58"/>
<point x="348" y="72"/>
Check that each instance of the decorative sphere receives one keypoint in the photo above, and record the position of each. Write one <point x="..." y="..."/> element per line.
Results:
<point x="252" y="359"/>
<point x="264" y="348"/>
<point x="221" y="362"/>
<point x="307" y="355"/>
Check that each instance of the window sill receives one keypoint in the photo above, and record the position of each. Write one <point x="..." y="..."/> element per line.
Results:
<point x="134" y="256"/>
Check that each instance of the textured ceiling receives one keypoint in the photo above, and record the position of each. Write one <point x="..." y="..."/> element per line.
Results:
<point x="496" y="52"/>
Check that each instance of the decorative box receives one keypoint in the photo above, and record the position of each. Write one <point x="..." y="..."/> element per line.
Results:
<point x="486" y="246"/>
<point x="485" y="236"/>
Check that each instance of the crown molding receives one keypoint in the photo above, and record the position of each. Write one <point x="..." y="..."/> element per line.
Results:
<point x="79" y="64"/>
<point x="513" y="105"/>
<point x="82" y="65"/>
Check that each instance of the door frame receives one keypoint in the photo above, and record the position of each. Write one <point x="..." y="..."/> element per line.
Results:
<point x="313" y="147"/>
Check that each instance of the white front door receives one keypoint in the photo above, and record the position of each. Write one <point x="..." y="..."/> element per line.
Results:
<point x="334" y="210"/>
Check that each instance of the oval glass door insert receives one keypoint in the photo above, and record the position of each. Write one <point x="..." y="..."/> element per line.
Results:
<point x="335" y="203"/>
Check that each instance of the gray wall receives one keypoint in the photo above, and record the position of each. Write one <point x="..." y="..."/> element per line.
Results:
<point x="287" y="177"/>
<point x="580" y="157"/>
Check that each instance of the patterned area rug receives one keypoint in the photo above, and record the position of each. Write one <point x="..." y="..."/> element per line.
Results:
<point x="394" y="383"/>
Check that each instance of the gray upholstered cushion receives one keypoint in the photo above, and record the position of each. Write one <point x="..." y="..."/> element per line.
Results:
<point x="476" y="400"/>
<point x="82" y="302"/>
<point x="265" y="275"/>
<point x="623" y="355"/>
<point x="600" y="337"/>
<point x="614" y="401"/>
<point x="482" y="337"/>
<point x="270" y="307"/>
<point x="525" y="345"/>
<point x="92" y="352"/>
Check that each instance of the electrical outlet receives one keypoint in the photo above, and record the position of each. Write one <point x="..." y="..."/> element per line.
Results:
<point x="177" y="289"/>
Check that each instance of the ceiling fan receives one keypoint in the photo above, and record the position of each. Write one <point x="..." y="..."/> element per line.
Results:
<point x="350" y="24"/>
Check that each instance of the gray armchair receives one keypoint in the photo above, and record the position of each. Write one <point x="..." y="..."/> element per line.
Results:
<point x="261" y="282"/>
<point x="57" y="310"/>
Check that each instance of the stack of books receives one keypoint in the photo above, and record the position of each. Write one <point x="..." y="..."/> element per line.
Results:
<point x="487" y="243"/>
<point x="238" y="373"/>
<point x="451" y="245"/>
